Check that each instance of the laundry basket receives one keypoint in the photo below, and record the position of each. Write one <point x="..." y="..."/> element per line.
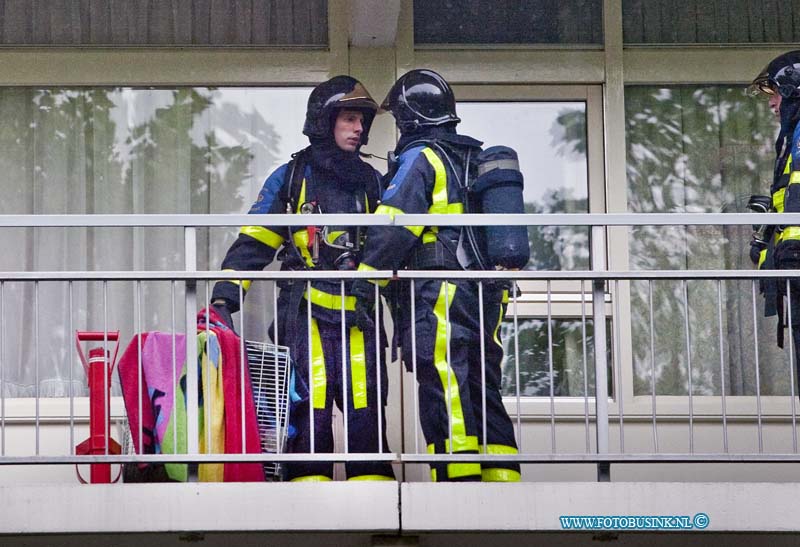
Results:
<point x="269" y="376"/>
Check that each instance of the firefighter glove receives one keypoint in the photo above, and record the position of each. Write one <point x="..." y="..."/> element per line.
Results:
<point x="364" y="291"/>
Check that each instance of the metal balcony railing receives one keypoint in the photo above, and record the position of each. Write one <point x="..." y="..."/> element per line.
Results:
<point x="601" y="413"/>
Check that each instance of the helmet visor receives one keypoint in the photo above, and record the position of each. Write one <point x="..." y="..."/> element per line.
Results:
<point x="761" y="84"/>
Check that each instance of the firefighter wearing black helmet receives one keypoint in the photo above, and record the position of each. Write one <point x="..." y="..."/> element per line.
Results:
<point x="779" y="247"/>
<point x="427" y="177"/>
<point x="327" y="177"/>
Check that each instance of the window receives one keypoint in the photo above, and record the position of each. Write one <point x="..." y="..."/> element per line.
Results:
<point x="157" y="22"/>
<point x="122" y="150"/>
<point x="508" y="22"/>
<point x="699" y="149"/>
<point x="709" y="22"/>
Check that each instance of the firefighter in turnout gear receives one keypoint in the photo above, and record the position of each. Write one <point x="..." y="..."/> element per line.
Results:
<point x="329" y="176"/>
<point x="429" y="177"/>
<point x="778" y="247"/>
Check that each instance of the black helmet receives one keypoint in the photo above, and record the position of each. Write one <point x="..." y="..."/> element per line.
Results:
<point x="329" y="97"/>
<point x="421" y="98"/>
<point x="781" y="75"/>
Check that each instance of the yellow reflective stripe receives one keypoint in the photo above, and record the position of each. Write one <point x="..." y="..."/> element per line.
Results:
<point x="504" y="299"/>
<point x="788" y="167"/>
<point x="392" y="211"/>
<point x="439" y="196"/>
<point x="762" y="256"/>
<point x="429" y="236"/>
<point x="263" y="235"/>
<point x="499" y="449"/>
<point x="470" y="444"/>
<point x="452" y="396"/>
<point x="358" y="368"/>
<point x="777" y="200"/>
<point x="330" y="301"/>
<point x="245" y="283"/>
<point x="795" y="177"/>
<point x="332" y="236"/>
<point x="300" y="238"/>
<point x="497" y="474"/>
<point x="312" y="478"/>
<point x="455" y="208"/>
<point x="370" y="478"/>
<point x="457" y="470"/>
<point x="302" y="198"/>
<point x="495" y="335"/>
<point x="318" y="376"/>
<point x="790" y="232"/>
<point x="364" y="267"/>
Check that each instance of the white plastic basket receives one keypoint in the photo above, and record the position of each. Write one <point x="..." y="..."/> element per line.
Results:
<point x="269" y="376"/>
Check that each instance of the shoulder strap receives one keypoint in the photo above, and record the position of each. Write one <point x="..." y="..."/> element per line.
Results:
<point x="295" y="174"/>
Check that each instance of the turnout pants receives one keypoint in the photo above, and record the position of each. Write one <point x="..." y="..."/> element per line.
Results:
<point x="454" y="384"/>
<point x="329" y="382"/>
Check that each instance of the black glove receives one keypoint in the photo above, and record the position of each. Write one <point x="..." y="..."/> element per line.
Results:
<point x="756" y="246"/>
<point x="224" y="313"/>
<point x="364" y="291"/>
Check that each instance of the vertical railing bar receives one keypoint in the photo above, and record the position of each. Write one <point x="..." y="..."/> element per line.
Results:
<point x="414" y="366"/>
<point x="174" y="378"/>
<point x="279" y="412"/>
<point x="205" y="378"/>
<point x="516" y="370"/>
<point x="36" y="356"/>
<point x="688" y="362"/>
<point x="139" y="366"/>
<point x="792" y="370"/>
<point x="482" y="325"/>
<point x="617" y="361"/>
<point x="2" y="376"/>
<point x="378" y="361"/>
<point x="106" y="363"/>
<point x="450" y="372"/>
<point x="722" y="368"/>
<point x="598" y="253"/>
<point x="653" y="363"/>
<point x="345" y="345"/>
<point x="242" y="364"/>
<point x="585" y="367"/>
<point x="70" y="363"/>
<point x="758" y="370"/>
<point x="310" y="367"/>
<point x="550" y="367"/>
<point x="192" y="378"/>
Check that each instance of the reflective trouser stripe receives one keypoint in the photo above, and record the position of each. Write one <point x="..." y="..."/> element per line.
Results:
<point x="358" y="368"/>
<point x="311" y="478"/>
<point x="499" y="474"/>
<point x="318" y="375"/>
<point x="370" y="478"/>
<point x="457" y="470"/>
<point x="495" y="336"/>
<point x="452" y="397"/>
<point x="330" y="301"/>
<point x="790" y="232"/>
<point x="245" y="283"/>
<point x="263" y="235"/>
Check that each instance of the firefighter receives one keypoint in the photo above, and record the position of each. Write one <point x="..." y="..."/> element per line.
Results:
<point x="779" y="247"/>
<point x="329" y="176"/>
<point x="431" y="159"/>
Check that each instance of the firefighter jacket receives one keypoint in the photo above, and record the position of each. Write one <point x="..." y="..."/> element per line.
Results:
<point x="426" y="180"/>
<point x="322" y="190"/>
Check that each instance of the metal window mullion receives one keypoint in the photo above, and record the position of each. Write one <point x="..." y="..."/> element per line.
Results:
<point x="449" y="367"/>
<point x="36" y="360"/>
<point x="68" y="353"/>
<point x="175" y="377"/>
<point x="379" y="402"/>
<point x="617" y="357"/>
<point x="139" y="366"/>
<point x="192" y="379"/>
<point x="414" y="365"/>
<point x="106" y="375"/>
<point x="310" y="356"/>
<point x="242" y="364"/>
<point x="516" y="371"/>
